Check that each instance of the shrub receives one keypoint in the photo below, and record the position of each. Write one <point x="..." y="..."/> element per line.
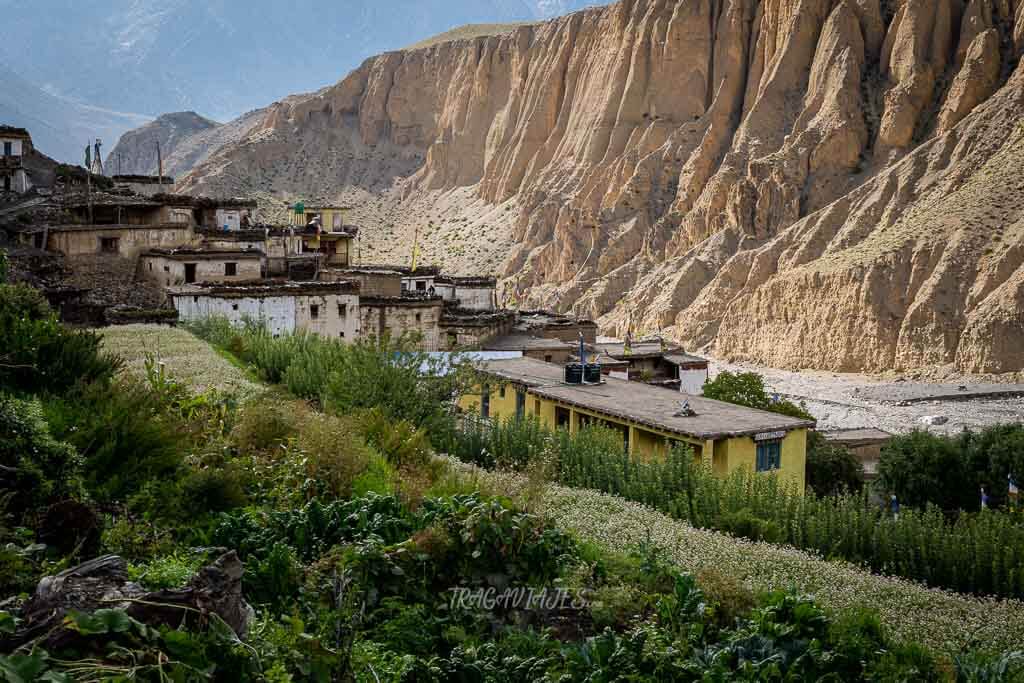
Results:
<point x="997" y="455"/>
<point x="274" y="578"/>
<point x="37" y="469"/>
<point x="214" y="489"/>
<point x="745" y="524"/>
<point x="922" y="468"/>
<point x="392" y="377"/>
<point x="38" y="353"/>
<point x="387" y="374"/>
<point x="379" y="478"/>
<point x="266" y="425"/>
<point x="732" y="600"/>
<point x="123" y="435"/>
<point x="400" y="442"/>
<point x="747" y="389"/>
<point x="168" y="571"/>
<point x="334" y="454"/>
<point x="832" y="469"/>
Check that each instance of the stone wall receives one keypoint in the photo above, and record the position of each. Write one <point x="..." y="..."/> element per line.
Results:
<point x="329" y="315"/>
<point x="131" y="240"/>
<point x="170" y="272"/>
<point x="400" y="316"/>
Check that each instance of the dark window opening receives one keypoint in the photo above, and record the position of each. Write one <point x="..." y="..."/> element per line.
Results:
<point x="8" y="149"/>
<point x="341" y="334"/>
<point x="109" y="245"/>
<point x="536" y="407"/>
<point x="563" y="417"/>
<point x="769" y="456"/>
<point x="234" y="307"/>
<point x="501" y="391"/>
<point x="190" y="273"/>
<point x="485" y="403"/>
<point x="421" y="286"/>
<point x="230" y="269"/>
<point x="520" y="403"/>
<point x="342" y="312"/>
<point x="7" y="183"/>
<point x="548" y="358"/>
<point x="419" y="317"/>
<point x="314" y="312"/>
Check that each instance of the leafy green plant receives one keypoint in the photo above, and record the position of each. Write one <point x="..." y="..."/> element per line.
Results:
<point x="832" y="469"/>
<point x="36" y="469"/>
<point x="124" y="435"/>
<point x="400" y="442"/>
<point x="169" y="571"/>
<point x="39" y="354"/>
<point x="747" y="389"/>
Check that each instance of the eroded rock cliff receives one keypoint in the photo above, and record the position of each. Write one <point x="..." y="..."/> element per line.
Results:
<point x="804" y="183"/>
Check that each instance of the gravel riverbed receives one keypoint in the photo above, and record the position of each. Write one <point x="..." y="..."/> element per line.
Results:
<point x="847" y="400"/>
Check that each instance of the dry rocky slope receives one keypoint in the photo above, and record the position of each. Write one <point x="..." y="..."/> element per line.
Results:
<point x="801" y="183"/>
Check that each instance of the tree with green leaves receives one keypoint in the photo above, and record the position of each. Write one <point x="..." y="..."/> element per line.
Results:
<point x="747" y="389"/>
<point x="832" y="469"/>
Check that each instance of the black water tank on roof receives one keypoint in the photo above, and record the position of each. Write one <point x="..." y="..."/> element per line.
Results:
<point x="574" y="373"/>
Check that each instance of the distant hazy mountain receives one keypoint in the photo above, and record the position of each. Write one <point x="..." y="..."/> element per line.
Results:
<point x="60" y="128"/>
<point x="217" y="57"/>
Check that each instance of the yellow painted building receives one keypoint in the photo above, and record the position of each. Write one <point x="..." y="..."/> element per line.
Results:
<point x="332" y="218"/>
<point x="725" y="437"/>
<point x="335" y="239"/>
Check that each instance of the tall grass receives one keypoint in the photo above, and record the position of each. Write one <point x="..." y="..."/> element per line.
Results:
<point x="386" y="375"/>
<point x="980" y="553"/>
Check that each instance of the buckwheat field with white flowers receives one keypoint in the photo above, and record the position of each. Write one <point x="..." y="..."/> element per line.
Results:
<point x="190" y="359"/>
<point x="946" y="620"/>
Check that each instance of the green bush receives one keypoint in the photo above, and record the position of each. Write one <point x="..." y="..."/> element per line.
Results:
<point x="747" y="389"/>
<point x="166" y="572"/>
<point x="214" y="489"/>
<point x="922" y="468"/>
<point x="744" y="524"/>
<point x="38" y="354"/>
<point x="37" y="469"/>
<point x="124" y="436"/>
<point x="334" y="454"/>
<point x="266" y="425"/>
<point x="400" y="442"/>
<point x="832" y="469"/>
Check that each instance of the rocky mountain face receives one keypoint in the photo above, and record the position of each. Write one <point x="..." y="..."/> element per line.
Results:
<point x="139" y="151"/>
<point x="801" y="183"/>
<point x="186" y="140"/>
